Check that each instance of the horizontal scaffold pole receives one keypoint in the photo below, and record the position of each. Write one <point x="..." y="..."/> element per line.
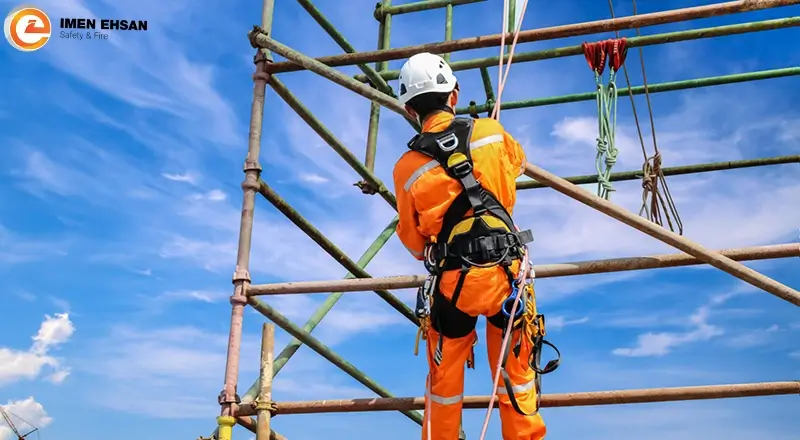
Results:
<point x="679" y="242"/>
<point x="408" y="8"/>
<point x="315" y="344"/>
<point x="647" y="395"/>
<point x="328" y="246"/>
<point x="632" y="42"/>
<point x="541" y="271"/>
<point x="640" y="90"/>
<point x="549" y="33"/>
<point x="672" y="171"/>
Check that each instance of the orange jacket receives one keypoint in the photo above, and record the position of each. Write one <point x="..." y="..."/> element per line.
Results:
<point x="424" y="192"/>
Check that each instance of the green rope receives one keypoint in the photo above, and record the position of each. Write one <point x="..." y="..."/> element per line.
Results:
<point x="606" y="98"/>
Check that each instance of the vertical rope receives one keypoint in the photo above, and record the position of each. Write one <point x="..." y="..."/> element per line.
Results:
<point x="503" y="75"/>
<point x="653" y="201"/>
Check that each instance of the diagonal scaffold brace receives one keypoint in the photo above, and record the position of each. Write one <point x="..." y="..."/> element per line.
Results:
<point x="710" y="257"/>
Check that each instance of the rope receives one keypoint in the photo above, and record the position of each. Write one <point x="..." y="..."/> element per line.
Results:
<point x="607" y="151"/>
<point x="596" y="54"/>
<point x="523" y="273"/>
<point x="653" y="201"/>
<point x="502" y="74"/>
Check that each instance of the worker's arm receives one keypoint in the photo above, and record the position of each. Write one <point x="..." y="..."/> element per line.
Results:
<point x="408" y="226"/>
<point x="515" y="152"/>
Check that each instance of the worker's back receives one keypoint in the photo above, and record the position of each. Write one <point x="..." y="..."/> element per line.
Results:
<point x="425" y="192"/>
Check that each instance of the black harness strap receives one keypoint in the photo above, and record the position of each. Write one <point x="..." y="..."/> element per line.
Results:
<point x="535" y="360"/>
<point x="482" y="245"/>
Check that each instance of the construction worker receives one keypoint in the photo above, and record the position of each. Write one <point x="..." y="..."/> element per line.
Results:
<point x="455" y="192"/>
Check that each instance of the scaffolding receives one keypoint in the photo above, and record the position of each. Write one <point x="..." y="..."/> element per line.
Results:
<point x="372" y="84"/>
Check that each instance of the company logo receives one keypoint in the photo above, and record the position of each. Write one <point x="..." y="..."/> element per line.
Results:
<point x="27" y="28"/>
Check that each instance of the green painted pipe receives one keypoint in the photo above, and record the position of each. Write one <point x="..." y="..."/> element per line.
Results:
<point x="638" y="90"/>
<point x="673" y="171"/>
<point x="420" y="6"/>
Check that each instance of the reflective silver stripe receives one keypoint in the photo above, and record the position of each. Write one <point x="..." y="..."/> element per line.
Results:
<point x="419" y="172"/>
<point x="446" y="400"/>
<point x="501" y="389"/>
<point x="485" y="141"/>
<point x="433" y="164"/>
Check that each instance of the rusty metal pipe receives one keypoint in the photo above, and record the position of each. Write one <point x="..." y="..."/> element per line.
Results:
<point x="542" y="271"/>
<point x="549" y="33"/>
<point x="646" y="395"/>
<point x="713" y="258"/>
<point x="264" y="399"/>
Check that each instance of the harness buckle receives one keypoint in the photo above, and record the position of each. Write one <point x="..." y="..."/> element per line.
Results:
<point x="524" y="237"/>
<point x="462" y="169"/>
<point x="448" y="142"/>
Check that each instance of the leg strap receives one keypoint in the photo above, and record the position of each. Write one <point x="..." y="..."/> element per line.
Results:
<point x="447" y="319"/>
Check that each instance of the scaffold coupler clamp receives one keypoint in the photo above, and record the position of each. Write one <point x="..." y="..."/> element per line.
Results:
<point x="265" y="405"/>
<point x="257" y="30"/>
<point x="226" y="399"/>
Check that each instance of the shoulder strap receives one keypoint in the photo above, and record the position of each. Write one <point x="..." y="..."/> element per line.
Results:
<point x="450" y="148"/>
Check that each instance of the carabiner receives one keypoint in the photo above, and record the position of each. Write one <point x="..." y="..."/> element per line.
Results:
<point x="508" y="304"/>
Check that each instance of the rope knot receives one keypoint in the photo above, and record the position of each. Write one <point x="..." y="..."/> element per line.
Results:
<point x="611" y="158"/>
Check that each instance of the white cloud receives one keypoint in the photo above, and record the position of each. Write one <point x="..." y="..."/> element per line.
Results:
<point x="559" y="322"/>
<point x="155" y="73"/>
<point x="54" y="331"/>
<point x="187" y="177"/>
<point x="16" y="365"/>
<point x="662" y="343"/>
<point x="349" y="318"/>
<point x="17" y="249"/>
<point x="215" y="195"/>
<point x="698" y="327"/>
<point x="26" y="415"/>
<point x="313" y="178"/>
<point x="176" y="372"/>
<point x="167" y="372"/>
<point x="24" y="295"/>
<point x="753" y="338"/>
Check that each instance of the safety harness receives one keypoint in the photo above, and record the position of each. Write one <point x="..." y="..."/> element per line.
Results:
<point x="486" y="238"/>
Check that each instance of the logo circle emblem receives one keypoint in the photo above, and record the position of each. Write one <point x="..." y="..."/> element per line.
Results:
<point x="27" y="28"/>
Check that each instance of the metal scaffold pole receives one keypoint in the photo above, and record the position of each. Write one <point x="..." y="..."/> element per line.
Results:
<point x="256" y="409"/>
<point x="549" y="33"/>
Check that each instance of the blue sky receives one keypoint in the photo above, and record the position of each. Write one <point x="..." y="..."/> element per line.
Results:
<point x="121" y="207"/>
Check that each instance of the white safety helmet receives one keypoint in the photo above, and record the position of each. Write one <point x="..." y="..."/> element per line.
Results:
<point x="425" y="73"/>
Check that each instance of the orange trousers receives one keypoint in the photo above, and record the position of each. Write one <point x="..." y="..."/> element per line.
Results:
<point x="447" y="387"/>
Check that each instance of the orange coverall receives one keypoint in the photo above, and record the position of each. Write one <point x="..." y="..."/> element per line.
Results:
<point x="424" y="192"/>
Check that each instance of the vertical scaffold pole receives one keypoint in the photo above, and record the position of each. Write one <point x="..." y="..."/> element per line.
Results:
<point x="241" y="277"/>
<point x="264" y="400"/>
<point x="384" y="32"/>
<point x="448" y="27"/>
